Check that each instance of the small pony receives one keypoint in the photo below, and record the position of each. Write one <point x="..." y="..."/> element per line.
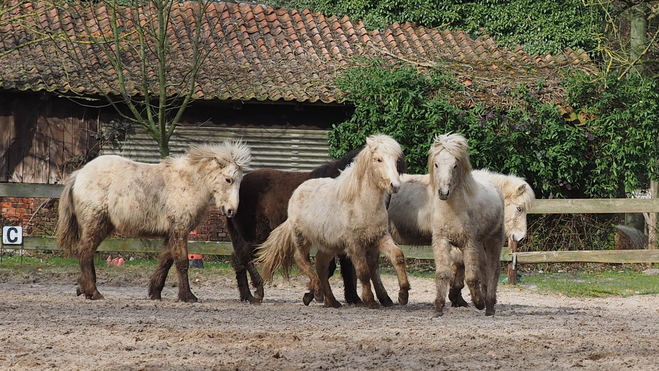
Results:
<point x="347" y="215"/>
<point x="165" y="200"/>
<point x="469" y="215"/>
<point x="410" y="216"/>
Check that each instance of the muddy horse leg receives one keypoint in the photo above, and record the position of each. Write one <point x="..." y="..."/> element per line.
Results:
<point x="179" y="248"/>
<point x="373" y="258"/>
<point x="472" y="255"/>
<point x="349" y="280"/>
<point x="493" y="257"/>
<point x="364" y="274"/>
<point x="257" y="281"/>
<point x="91" y="237"/>
<point x="442" y="252"/>
<point x="158" y="277"/>
<point x="457" y="284"/>
<point x="303" y="263"/>
<point x="323" y="260"/>
<point x="397" y="259"/>
<point x="240" y="261"/>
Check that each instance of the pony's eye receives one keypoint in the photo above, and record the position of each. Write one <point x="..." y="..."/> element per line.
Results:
<point x="455" y="166"/>
<point x="519" y="208"/>
<point x="378" y="159"/>
<point x="229" y="180"/>
<point x="436" y="166"/>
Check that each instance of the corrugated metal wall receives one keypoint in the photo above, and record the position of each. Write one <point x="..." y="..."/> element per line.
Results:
<point x="282" y="149"/>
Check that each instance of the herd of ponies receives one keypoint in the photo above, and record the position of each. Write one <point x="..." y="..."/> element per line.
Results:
<point x="356" y="208"/>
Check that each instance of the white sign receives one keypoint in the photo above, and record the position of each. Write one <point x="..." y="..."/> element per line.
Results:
<point x="12" y="235"/>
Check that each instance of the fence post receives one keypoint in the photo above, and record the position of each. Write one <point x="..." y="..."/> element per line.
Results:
<point x="652" y="219"/>
<point x="512" y="265"/>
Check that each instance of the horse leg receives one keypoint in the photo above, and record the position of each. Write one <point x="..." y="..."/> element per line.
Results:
<point x="472" y="256"/>
<point x="322" y="268"/>
<point x="241" y="261"/>
<point x="457" y="284"/>
<point x="364" y="274"/>
<point x="373" y="259"/>
<point x="257" y="281"/>
<point x="397" y="259"/>
<point x="493" y="256"/>
<point x="158" y="278"/>
<point x="349" y="280"/>
<point x="91" y="237"/>
<point x="304" y="264"/>
<point x="179" y="249"/>
<point x="441" y="248"/>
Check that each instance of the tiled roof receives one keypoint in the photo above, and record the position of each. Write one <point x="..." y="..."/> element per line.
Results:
<point x="256" y="52"/>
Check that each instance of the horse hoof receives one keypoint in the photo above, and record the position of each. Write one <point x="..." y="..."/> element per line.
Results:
<point x="78" y="291"/>
<point x="97" y="296"/>
<point x="254" y="300"/>
<point x="307" y="298"/>
<point x="437" y="314"/>
<point x="403" y="297"/>
<point x="188" y="299"/>
<point x="334" y="304"/>
<point x="479" y="305"/>
<point x="489" y="312"/>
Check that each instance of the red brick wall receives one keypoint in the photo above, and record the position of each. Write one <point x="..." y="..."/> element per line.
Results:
<point x="38" y="217"/>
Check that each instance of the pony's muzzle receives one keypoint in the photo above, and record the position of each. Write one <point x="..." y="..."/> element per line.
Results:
<point x="394" y="187"/>
<point x="229" y="213"/>
<point x="443" y="195"/>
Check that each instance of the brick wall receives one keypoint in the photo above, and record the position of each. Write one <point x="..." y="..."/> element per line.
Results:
<point x="38" y="217"/>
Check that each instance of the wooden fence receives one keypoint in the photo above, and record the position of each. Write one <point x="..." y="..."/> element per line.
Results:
<point x="509" y="254"/>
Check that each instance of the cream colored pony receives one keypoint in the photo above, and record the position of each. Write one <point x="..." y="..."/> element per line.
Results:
<point x="469" y="215"/>
<point x="342" y="215"/>
<point x="410" y="209"/>
<point x="165" y="200"/>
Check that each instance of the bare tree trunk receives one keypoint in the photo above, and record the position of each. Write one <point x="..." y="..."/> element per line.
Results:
<point x="638" y="36"/>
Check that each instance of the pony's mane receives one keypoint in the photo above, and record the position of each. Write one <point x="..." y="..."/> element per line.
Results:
<point x="226" y="153"/>
<point x="457" y="146"/>
<point x="510" y="185"/>
<point x="351" y="176"/>
<point x="334" y="168"/>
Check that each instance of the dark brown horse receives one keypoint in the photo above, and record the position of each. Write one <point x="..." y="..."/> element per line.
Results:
<point x="263" y="206"/>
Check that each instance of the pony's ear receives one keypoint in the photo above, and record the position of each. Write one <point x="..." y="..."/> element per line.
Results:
<point x="372" y="145"/>
<point x="521" y="189"/>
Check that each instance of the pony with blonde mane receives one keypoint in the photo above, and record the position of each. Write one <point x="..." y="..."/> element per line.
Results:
<point x="165" y="200"/>
<point x="410" y="216"/>
<point x="469" y="215"/>
<point x="347" y="215"/>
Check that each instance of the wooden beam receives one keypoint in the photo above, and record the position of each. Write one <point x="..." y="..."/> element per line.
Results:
<point x="30" y="190"/>
<point x="588" y="256"/>
<point x="595" y="206"/>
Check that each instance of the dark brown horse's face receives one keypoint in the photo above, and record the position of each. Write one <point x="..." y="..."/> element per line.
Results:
<point x="226" y="186"/>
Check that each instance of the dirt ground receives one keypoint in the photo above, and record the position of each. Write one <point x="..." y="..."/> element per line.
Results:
<point x="43" y="325"/>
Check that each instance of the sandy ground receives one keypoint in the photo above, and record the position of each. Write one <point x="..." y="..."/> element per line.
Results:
<point x="43" y="325"/>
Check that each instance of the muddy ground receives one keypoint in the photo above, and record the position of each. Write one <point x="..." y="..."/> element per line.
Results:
<point x="43" y="325"/>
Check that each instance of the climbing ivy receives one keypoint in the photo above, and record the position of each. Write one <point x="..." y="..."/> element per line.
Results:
<point x="602" y="143"/>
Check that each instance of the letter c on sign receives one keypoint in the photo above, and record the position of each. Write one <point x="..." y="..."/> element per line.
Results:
<point x="12" y="235"/>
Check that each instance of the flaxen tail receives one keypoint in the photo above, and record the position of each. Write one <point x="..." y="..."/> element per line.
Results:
<point x="67" y="230"/>
<point x="278" y="251"/>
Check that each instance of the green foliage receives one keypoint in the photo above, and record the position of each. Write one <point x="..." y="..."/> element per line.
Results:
<point x="609" y="150"/>
<point x="540" y="26"/>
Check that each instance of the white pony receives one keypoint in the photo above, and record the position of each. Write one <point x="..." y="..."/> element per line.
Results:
<point x="165" y="200"/>
<point x="410" y="216"/>
<point x="342" y="215"/>
<point x="469" y="215"/>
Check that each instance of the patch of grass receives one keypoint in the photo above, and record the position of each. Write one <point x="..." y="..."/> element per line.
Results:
<point x="607" y="283"/>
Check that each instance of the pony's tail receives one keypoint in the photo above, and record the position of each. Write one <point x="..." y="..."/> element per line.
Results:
<point x="278" y="251"/>
<point x="67" y="230"/>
